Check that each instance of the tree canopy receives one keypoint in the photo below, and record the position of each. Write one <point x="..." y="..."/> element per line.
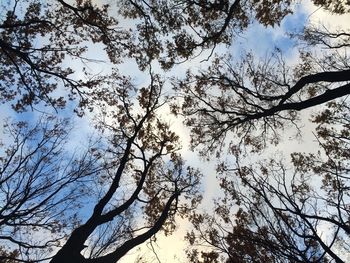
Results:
<point x="128" y="183"/>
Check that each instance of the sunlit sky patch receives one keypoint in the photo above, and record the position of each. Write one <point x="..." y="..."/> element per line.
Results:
<point x="257" y="39"/>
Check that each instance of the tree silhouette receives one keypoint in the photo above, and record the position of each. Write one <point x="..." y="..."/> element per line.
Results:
<point x="36" y="45"/>
<point x="39" y="185"/>
<point x="276" y="213"/>
<point x="175" y="31"/>
<point x="140" y="142"/>
<point x="128" y="186"/>
<point x="275" y="210"/>
<point x="253" y="99"/>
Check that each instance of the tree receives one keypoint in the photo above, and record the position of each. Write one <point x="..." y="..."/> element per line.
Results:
<point x="137" y="173"/>
<point x="36" y="45"/>
<point x="175" y="31"/>
<point x="274" y="210"/>
<point x="254" y="99"/>
<point x="137" y="170"/>
<point x="138" y="182"/>
<point x="275" y="213"/>
<point x="39" y="185"/>
<point x="140" y="141"/>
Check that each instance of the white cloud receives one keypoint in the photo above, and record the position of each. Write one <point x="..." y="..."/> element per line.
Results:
<point x="317" y="15"/>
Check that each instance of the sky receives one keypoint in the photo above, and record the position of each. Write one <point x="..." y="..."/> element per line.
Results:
<point x="261" y="41"/>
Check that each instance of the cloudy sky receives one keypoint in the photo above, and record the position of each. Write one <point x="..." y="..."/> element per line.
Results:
<point x="260" y="41"/>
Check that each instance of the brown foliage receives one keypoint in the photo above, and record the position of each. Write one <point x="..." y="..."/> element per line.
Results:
<point x="37" y="44"/>
<point x="274" y="213"/>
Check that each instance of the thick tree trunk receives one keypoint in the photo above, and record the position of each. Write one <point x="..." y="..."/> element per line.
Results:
<point x="70" y="252"/>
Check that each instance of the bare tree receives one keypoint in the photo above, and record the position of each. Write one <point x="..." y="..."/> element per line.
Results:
<point x="255" y="99"/>
<point x="137" y="182"/>
<point x="147" y="176"/>
<point x="276" y="213"/>
<point x="39" y="182"/>
<point x="36" y="41"/>
<point x="134" y="177"/>
<point x="273" y="210"/>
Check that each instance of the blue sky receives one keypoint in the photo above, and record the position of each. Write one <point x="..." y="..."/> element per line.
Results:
<point x="262" y="42"/>
<point x="258" y="39"/>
